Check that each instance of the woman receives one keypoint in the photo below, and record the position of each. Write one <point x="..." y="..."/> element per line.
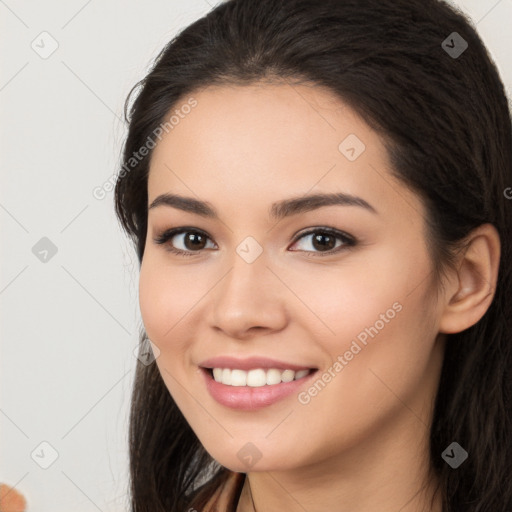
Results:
<point x="317" y="193"/>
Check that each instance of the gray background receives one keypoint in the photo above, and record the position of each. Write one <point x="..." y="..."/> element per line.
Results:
<point x="69" y="319"/>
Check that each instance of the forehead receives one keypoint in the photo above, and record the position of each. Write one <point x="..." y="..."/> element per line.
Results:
<point x="264" y="142"/>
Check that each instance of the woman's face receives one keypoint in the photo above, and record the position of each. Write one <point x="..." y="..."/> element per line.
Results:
<point x="344" y="287"/>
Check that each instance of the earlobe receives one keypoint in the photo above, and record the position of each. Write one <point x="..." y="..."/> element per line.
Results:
<point x="475" y="281"/>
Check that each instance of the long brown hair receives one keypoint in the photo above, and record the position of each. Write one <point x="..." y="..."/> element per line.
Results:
<point x="442" y="111"/>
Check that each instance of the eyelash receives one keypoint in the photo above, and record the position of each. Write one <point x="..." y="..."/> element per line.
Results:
<point x="348" y="240"/>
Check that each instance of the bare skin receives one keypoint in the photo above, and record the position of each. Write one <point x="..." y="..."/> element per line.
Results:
<point x="360" y="443"/>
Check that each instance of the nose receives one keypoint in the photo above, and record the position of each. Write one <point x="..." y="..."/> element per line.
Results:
<point x="249" y="300"/>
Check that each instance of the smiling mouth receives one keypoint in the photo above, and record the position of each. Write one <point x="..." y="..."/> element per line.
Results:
<point x="257" y="377"/>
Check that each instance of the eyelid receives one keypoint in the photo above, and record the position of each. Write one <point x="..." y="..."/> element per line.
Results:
<point x="324" y="229"/>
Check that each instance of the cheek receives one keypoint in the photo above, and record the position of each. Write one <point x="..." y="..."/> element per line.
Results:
<point x="380" y="371"/>
<point x="162" y="300"/>
<point x="344" y="301"/>
<point x="371" y="288"/>
<point x="162" y="304"/>
<point x="375" y="316"/>
<point x="150" y="300"/>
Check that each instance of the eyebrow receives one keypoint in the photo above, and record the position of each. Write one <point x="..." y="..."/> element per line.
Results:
<point x="277" y="211"/>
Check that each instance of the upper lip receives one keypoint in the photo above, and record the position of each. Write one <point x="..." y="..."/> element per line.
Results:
<point x="250" y="363"/>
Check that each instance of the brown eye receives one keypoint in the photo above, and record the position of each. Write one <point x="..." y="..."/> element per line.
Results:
<point x="326" y="241"/>
<point x="183" y="241"/>
<point x="194" y="241"/>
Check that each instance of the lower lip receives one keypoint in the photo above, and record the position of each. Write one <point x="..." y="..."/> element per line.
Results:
<point x="249" y="398"/>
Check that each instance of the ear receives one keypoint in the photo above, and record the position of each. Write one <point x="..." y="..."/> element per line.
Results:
<point x="472" y="286"/>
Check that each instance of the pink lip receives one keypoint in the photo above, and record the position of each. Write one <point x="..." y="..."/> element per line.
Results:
<point x="249" y="398"/>
<point x="250" y="363"/>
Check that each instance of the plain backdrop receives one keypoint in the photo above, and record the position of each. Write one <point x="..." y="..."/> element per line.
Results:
<point x="68" y="277"/>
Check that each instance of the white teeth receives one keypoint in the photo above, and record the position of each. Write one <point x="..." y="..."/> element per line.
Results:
<point x="256" y="378"/>
<point x="300" y="374"/>
<point x="238" y="378"/>
<point x="288" y="376"/>
<point x="226" y="376"/>
<point x="273" y="376"/>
